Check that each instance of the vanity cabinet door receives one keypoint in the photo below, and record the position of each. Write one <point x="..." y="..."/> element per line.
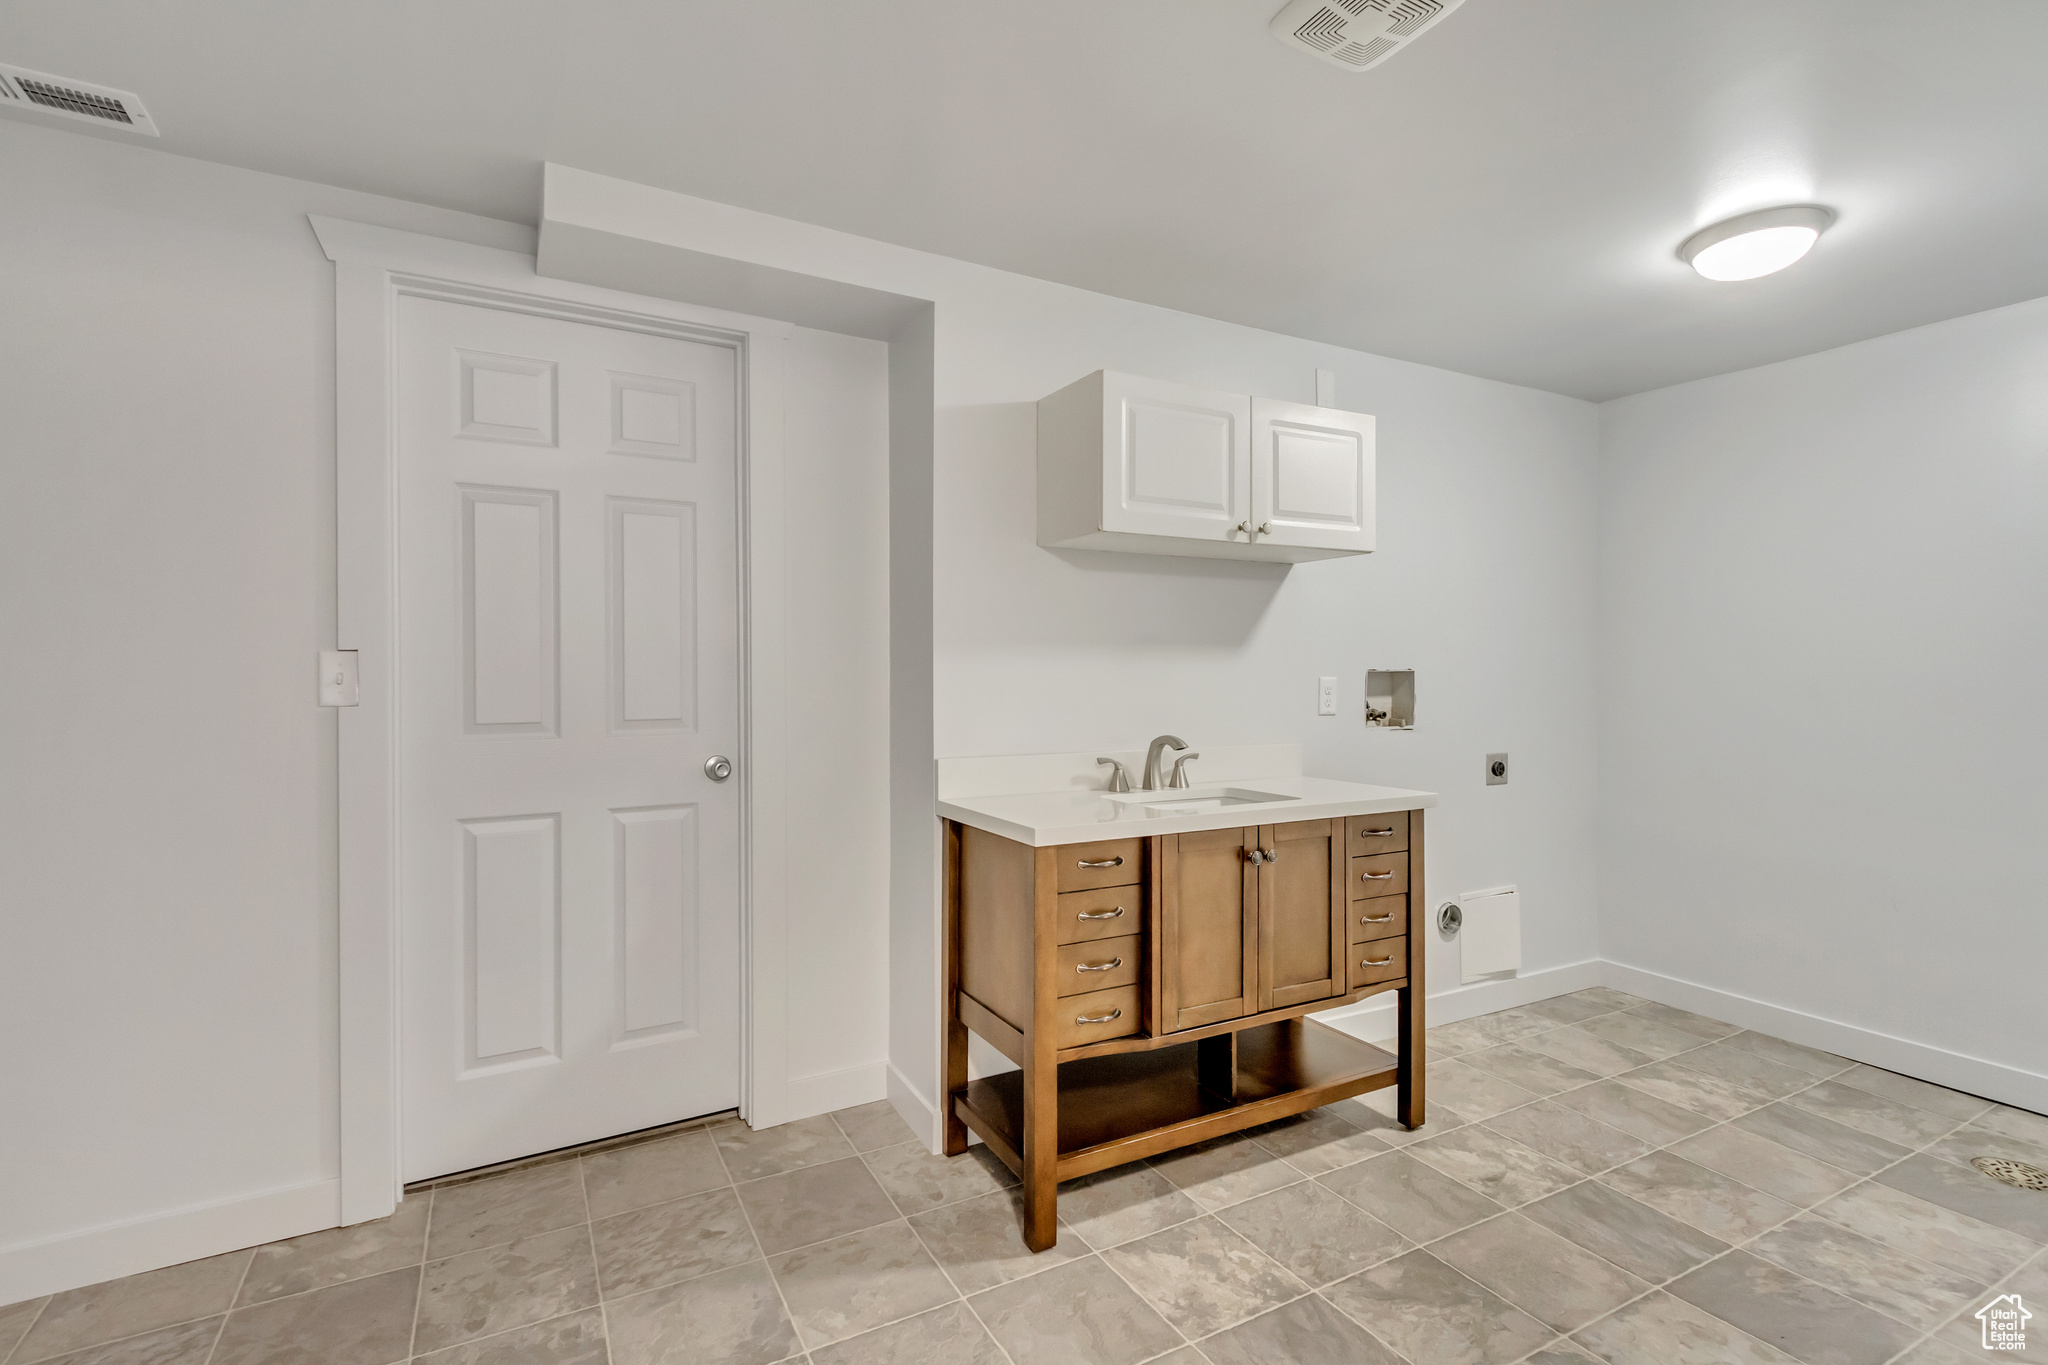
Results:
<point x="1208" y="897"/>
<point x="1302" y="902"/>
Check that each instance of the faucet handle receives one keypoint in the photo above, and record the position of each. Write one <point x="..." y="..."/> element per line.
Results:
<point x="1120" y="780"/>
<point x="1180" y="770"/>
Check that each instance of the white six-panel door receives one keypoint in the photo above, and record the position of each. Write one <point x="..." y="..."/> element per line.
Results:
<point x="1312" y="476"/>
<point x="569" y="660"/>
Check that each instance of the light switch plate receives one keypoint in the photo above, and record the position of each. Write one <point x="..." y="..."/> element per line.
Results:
<point x="1326" y="696"/>
<point x="338" y="677"/>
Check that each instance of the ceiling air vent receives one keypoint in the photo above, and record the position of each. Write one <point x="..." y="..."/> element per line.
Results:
<point x="66" y="98"/>
<point x="1356" y="34"/>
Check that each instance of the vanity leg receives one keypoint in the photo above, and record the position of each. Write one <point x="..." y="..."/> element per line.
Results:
<point x="1408" y="1099"/>
<point x="1041" y="1153"/>
<point x="1409" y="1072"/>
<point x="1041" y="1065"/>
<point x="953" y="1140"/>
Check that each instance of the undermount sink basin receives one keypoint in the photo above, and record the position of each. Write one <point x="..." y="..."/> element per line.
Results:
<point x="1195" y="800"/>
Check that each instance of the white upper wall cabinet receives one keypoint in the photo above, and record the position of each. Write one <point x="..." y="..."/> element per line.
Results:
<point x="1141" y="465"/>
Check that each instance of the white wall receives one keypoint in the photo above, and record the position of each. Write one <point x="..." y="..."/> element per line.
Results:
<point x="167" y="812"/>
<point x="167" y="818"/>
<point x="836" y="740"/>
<point x="1485" y="582"/>
<point x="1824" y="643"/>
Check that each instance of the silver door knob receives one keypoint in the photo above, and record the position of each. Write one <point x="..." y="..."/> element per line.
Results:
<point x="718" y="767"/>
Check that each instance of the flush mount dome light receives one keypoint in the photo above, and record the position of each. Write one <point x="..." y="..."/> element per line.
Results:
<point x="1754" y="244"/>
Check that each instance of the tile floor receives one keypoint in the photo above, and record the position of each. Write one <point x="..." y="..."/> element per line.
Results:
<point x="1601" y="1179"/>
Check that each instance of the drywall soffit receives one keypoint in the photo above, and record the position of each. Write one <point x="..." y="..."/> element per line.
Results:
<point x="575" y="244"/>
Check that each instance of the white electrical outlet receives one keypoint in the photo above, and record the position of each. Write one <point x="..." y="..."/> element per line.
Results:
<point x="1326" y="696"/>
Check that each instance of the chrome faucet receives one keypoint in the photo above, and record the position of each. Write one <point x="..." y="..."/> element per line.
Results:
<point x="1153" y="779"/>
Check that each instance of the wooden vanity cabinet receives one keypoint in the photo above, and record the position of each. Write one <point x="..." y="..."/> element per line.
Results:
<point x="1151" y="990"/>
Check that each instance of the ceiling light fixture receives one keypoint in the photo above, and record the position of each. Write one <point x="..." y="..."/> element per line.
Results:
<point x="1753" y="244"/>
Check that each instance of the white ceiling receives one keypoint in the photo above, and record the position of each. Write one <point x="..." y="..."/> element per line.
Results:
<point x="1503" y="198"/>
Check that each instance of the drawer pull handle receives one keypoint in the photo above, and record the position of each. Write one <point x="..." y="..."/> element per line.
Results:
<point x="1376" y="876"/>
<point x="1387" y="833"/>
<point x="1100" y="914"/>
<point x="1117" y="861"/>
<point x="1375" y="919"/>
<point x="1108" y="966"/>
<point x="1376" y="961"/>
<point x="1109" y="1018"/>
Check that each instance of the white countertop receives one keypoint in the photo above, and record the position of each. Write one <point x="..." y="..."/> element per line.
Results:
<point x="1079" y="815"/>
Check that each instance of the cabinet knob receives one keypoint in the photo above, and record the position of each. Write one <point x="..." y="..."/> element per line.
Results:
<point x="1272" y="855"/>
<point x="1243" y="528"/>
<point x="1265" y="528"/>
<point x="1255" y="857"/>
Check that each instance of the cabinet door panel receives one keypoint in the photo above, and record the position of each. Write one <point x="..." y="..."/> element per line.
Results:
<point x="1301" y="905"/>
<point x="1176" y="460"/>
<point x="1208" y="929"/>
<point x="1312" y="476"/>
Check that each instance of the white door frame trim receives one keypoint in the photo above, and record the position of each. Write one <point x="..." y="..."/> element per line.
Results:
<point x="373" y="268"/>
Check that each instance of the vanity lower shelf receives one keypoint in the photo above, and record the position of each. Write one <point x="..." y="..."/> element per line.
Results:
<point x="1130" y="1105"/>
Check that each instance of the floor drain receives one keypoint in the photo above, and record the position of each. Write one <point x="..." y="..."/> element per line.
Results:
<point x="2017" y="1173"/>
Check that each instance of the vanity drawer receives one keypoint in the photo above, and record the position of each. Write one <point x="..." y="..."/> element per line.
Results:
<point x="1383" y="959"/>
<point x="1108" y="912"/>
<point x="1387" y="833"/>
<point x="1115" y="1013"/>
<point x="1380" y="874"/>
<point x="1380" y="917"/>
<point x="1113" y="862"/>
<point x="1100" y="965"/>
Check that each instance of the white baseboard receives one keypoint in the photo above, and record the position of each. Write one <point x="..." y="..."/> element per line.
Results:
<point x="1373" y="1019"/>
<point x="919" y="1112"/>
<point x="29" y="1270"/>
<point x="1956" y="1070"/>
<point x="823" y="1091"/>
